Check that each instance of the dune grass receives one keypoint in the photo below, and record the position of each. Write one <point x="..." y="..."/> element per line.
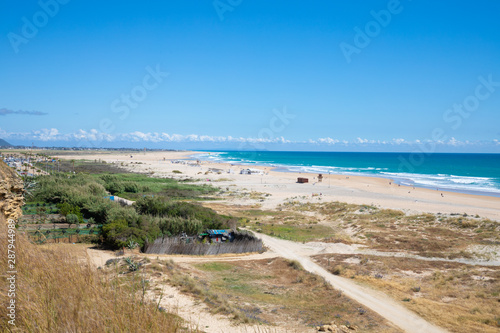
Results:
<point x="455" y="296"/>
<point x="55" y="292"/>
<point x="294" y="232"/>
<point x="214" y="266"/>
<point x="424" y="234"/>
<point x="133" y="186"/>
<point x="278" y="291"/>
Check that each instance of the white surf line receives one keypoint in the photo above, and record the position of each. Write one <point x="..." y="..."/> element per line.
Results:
<point x="375" y="300"/>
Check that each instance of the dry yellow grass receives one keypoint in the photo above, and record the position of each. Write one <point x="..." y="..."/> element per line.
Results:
<point x="274" y="291"/>
<point x="458" y="297"/>
<point x="55" y="292"/>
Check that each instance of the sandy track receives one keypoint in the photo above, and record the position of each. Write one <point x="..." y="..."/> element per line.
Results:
<point x="195" y="313"/>
<point x="314" y="248"/>
<point x="99" y="257"/>
<point x="224" y="257"/>
<point x="198" y="316"/>
<point x="376" y="301"/>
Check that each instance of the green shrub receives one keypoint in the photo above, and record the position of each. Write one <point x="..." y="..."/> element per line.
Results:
<point x="131" y="187"/>
<point x="162" y="208"/>
<point x="175" y="225"/>
<point x="85" y="196"/>
<point x="117" y="234"/>
<point x="72" y="219"/>
<point x="115" y="187"/>
<point x="128" y="214"/>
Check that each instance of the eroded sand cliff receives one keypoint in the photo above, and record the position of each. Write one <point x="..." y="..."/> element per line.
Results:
<point x="11" y="193"/>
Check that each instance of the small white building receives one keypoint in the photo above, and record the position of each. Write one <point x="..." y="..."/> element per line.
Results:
<point x="250" y="171"/>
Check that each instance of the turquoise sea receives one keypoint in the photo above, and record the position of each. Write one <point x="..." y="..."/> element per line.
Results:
<point x="466" y="173"/>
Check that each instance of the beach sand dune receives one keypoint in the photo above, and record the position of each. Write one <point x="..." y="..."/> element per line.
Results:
<point x="281" y="186"/>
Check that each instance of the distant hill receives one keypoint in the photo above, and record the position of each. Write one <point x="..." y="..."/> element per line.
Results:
<point x="4" y="143"/>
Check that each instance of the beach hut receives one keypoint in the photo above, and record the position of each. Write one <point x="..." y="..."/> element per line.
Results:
<point x="219" y="236"/>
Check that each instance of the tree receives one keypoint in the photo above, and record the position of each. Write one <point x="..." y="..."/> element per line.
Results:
<point x="68" y="209"/>
<point x="118" y="234"/>
<point x="42" y="214"/>
<point x="72" y="219"/>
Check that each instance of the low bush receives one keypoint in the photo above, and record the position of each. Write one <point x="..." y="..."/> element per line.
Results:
<point x="72" y="219"/>
<point x="86" y="196"/>
<point x="295" y="265"/>
<point x="162" y="207"/>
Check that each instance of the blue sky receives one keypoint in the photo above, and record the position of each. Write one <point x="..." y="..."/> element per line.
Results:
<point x="285" y="75"/>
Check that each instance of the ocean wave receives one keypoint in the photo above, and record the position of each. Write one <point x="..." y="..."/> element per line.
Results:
<point x="444" y="181"/>
<point x="440" y="181"/>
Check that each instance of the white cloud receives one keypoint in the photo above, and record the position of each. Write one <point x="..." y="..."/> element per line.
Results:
<point x="95" y="137"/>
<point x="454" y="142"/>
<point x="327" y="140"/>
<point x="399" y="141"/>
<point x="138" y="136"/>
<point x="4" y="111"/>
<point x="366" y="141"/>
<point x="92" y="135"/>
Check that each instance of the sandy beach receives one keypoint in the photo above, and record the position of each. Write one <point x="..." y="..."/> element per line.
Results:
<point x="282" y="186"/>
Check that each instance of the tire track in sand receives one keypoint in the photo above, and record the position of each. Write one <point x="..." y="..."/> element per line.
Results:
<point x="374" y="300"/>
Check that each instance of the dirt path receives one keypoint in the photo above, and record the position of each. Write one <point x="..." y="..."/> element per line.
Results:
<point x="376" y="301"/>
<point x="198" y="317"/>
<point x="313" y="248"/>
<point x="99" y="257"/>
<point x="224" y="257"/>
<point x="195" y="313"/>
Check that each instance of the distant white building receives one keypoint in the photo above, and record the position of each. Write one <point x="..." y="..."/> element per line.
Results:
<point x="251" y="172"/>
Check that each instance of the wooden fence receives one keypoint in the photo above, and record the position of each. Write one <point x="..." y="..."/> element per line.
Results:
<point x="178" y="245"/>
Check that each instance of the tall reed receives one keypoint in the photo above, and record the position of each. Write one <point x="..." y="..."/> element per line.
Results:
<point x="57" y="293"/>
